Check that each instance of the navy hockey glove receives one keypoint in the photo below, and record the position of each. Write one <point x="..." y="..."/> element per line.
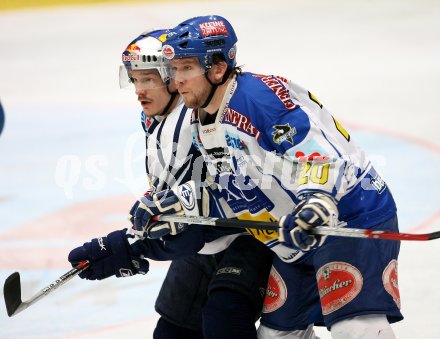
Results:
<point x="108" y="256"/>
<point x="183" y="200"/>
<point x="316" y="210"/>
<point x="163" y="202"/>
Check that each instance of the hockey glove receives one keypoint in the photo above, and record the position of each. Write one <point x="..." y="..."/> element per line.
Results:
<point x="183" y="200"/>
<point x="108" y="256"/>
<point x="315" y="210"/>
<point x="163" y="202"/>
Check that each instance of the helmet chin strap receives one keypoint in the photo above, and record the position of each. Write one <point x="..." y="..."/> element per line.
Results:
<point x="215" y="86"/>
<point x="170" y="102"/>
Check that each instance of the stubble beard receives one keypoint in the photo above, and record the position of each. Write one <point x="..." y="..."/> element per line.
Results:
<point x="196" y="100"/>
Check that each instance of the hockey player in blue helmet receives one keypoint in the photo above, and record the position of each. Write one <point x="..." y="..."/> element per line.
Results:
<point x="276" y="153"/>
<point x="201" y="296"/>
<point x="210" y="39"/>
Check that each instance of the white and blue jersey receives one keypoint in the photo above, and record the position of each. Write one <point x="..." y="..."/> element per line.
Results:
<point x="170" y="154"/>
<point x="273" y="142"/>
<point x="171" y="160"/>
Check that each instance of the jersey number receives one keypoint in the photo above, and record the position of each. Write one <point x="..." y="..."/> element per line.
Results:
<point x="317" y="173"/>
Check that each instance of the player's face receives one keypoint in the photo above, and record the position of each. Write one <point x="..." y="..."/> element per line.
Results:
<point x="150" y="90"/>
<point x="190" y="81"/>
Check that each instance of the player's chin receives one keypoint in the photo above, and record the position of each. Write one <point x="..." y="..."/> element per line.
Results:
<point x="147" y="107"/>
<point x="149" y="112"/>
<point x="190" y="101"/>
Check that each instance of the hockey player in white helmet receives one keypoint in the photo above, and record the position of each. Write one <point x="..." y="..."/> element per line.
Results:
<point x="174" y="166"/>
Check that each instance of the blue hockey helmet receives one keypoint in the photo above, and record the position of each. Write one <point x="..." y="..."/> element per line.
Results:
<point x="202" y="37"/>
<point x="144" y="52"/>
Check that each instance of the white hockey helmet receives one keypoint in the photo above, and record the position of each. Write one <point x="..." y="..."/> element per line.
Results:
<point x="143" y="53"/>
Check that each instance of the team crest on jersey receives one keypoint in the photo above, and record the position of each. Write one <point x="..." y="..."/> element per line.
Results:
<point x="276" y="292"/>
<point x="338" y="284"/>
<point x="243" y="195"/>
<point x="283" y="133"/>
<point x="390" y="281"/>
<point x="187" y="196"/>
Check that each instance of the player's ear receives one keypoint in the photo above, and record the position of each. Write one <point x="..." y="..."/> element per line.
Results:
<point x="218" y="70"/>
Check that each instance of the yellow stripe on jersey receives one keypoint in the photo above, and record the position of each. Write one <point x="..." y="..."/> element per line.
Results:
<point x="341" y="129"/>
<point x="314" y="99"/>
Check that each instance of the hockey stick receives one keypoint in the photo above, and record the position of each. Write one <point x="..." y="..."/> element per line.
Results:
<point x="320" y="230"/>
<point x="12" y="289"/>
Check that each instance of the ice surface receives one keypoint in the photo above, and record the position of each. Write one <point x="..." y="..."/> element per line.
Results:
<point x="71" y="152"/>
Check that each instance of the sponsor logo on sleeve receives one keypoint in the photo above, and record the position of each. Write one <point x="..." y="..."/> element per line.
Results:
<point x="390" y="281"/>
<point x="338" y="284"/>
<point x="276" y="292"/>
<point x="378" y="184"/>
<point x="278" y="89"/>
<point x="283" y="133"/>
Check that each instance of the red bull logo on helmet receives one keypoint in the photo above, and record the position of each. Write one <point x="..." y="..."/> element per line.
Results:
<point x="133" y="47"/>
<point x="130" y="57"/>
<point x="217" y="27"/>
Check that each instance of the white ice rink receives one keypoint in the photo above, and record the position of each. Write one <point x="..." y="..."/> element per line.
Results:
<point x="71" y="152"/>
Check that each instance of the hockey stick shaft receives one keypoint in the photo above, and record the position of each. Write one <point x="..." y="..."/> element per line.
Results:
<point x="320" y="230"/>
<point x="12" y="289"/>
